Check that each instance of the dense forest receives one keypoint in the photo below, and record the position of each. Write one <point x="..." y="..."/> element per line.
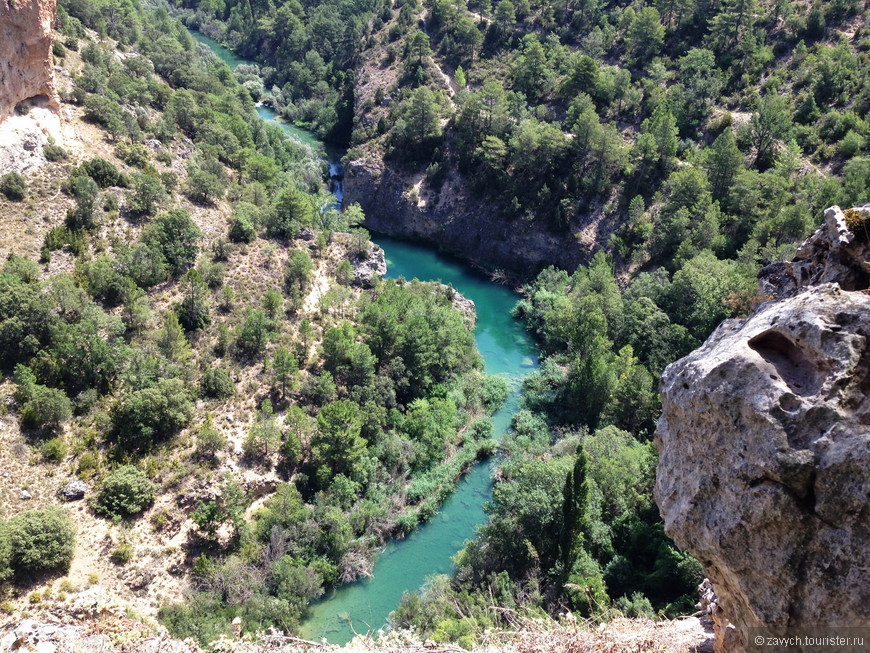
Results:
<point x="707" y="135"/>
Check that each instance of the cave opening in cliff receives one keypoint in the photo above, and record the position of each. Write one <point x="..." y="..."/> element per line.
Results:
<point x="24" y="106"/>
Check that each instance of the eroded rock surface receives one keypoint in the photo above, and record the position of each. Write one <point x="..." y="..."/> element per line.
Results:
<point x="26" y="73"/>
<point x="459" y="222"/>
<point x="764" y="443"/>
<point x="22" y="139"/>
<point x="833" y="254"/>
<point x="367" y="268"/>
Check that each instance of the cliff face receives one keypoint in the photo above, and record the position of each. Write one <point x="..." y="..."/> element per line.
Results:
<point x="26" y="72"/>
<point x="458" y="222"/>
<point x="764" y="443"/>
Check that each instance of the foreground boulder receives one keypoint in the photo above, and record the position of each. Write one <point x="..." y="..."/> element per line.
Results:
<point x="764" y="443"/>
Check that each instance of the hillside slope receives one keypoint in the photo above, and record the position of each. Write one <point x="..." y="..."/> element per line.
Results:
<point x="206" y="385"/>
<point x="580" y="129"/>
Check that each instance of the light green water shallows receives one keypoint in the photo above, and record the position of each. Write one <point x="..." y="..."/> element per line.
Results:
<point x="507" y="351"/>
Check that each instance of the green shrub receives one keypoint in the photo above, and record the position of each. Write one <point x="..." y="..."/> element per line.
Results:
<point x="213" y="274"/>
<point x="86" y="192"/>
<point x="54" y="450"/>
<point x="254" y="333"/>
<point x="104" y="173"/>
<point x="202" y="617"/>
<point x="13" y="186"/>
<point x="242" y="230"/>
<point x="54" y="152"/>
<point x="88" y="465"/>
<point x="122" y="554"/>
<point x="220" y="250"/>
<point x="262" y="440"/>
<point x="636" y="606"/>
<point x="493" y="392"/>
<point x="851" y="144"/>
<point x="144" y="416"/>
<point x="126" y="491"/>
<point x="5" y="551"/>
<point x="169" y="179"/>
<point x="174" y="234"/>
<point x="480" y="429"/>
<point x="133" y="154"/>
<point x="407" y="521"/>
<point x="209" y="440"/>
<point x="216" y="383"/>
<point x="148" y="193"/>
<point x="47" y="408"/>
<point x="55" y="238"/>
<point x="41" y="540"/>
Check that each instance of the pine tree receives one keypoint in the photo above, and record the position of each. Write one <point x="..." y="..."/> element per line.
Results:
<point x="723" y="161"/>
<point x="770" y="124"/>
<point x="171" y="340"/>
<point x="284" y="367"/>
<point x="193" y="311"/>
<point x="646" y="34"/>
<point x="731" y="25"/>
<point x="663" y="126"/>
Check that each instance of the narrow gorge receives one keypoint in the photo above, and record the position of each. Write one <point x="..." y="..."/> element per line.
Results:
<point x="434" y="326"/>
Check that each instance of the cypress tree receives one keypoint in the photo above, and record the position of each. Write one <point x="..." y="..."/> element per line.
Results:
<point x="575" y="502"/>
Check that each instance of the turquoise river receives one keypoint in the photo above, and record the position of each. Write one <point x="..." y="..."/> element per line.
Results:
<point x="404" y="564"/>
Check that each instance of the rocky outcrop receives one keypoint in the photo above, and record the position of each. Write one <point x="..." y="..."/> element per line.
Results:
<point x="74" y="490"/>
<point x="462" y="304"/>
<point x="367" y="268"/>
<point x="833" y="254"/>
<point x="764" y="448"/>
<point x="118" y="634"/>
<point x="456" y="221"/>
<point x="26" y="73"/>
<point x="710" y="611"/>
<point x="26" y="84"/>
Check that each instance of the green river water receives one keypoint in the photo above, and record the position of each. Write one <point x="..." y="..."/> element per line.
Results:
<point x="403" y="565"/>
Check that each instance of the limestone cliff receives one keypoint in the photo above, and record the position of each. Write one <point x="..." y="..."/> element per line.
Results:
<point x="764" y="443"/>
<point x="26" y="73"/>
<point x="455" y="220"/>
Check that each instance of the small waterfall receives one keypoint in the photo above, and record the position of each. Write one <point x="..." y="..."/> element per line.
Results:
<point x="336" y="180"/>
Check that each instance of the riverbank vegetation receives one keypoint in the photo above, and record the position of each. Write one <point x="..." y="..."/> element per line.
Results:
<point x="308" y="54"/>
<point x="194" y="344"/>
<point x="722" y="127"/>
<point x="690" y="145"/>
